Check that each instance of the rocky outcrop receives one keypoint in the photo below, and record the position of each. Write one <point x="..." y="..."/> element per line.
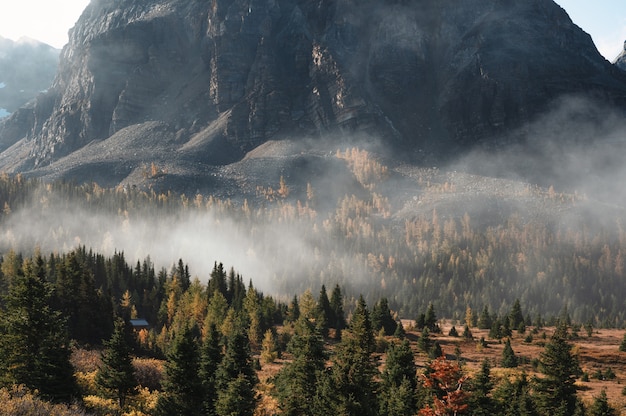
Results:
<point x="620" y="61"/>
<point x="430" y="77"/>
<point x="27" y="67"/>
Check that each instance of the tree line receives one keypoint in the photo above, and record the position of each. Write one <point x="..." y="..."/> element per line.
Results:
<point x="333" y="354"/>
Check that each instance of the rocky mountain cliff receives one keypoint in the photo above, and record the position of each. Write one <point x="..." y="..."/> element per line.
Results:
<point x="192" y="84"/>
<point x="27" y="67"/>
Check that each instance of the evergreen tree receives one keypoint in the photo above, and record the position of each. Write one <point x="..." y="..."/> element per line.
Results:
<point x="509" y="359"/>
<point x="235" y="377"/>
<point x="424" y="342"/>
<point x="116" y="372"/>
<point x="182" y="387"/>
<point x="516" y="317"/>
<point x="484" y="320"/>
<point x="34" y="342"/>
<point x="398" y="381"/>
<point x="381" y="317"/>
<point x="430" y="319"/>
<point x="354" y="367"/>
<point x="295" y="380"/>
<point x="513" y="398"/>
<point x="336" y="305"/>
<point x="480" y="401"/>
<point x="622" y="346"/>
<point x="325" y="314"/>
<point x="210" y="358"/>
<point x="601" y="407"/>
<point x="557" y="392"/>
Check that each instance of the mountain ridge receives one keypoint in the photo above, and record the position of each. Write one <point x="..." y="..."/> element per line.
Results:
<point x="429" y="80"/>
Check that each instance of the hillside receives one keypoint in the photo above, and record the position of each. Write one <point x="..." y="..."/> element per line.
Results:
<point x="193" y="87"/>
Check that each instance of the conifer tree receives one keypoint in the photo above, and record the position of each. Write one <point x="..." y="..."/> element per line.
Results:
<point x="325" y="315"/>
<point x="235" y="377"/>
<point x="601" y="407"/>
<point x="399" y="381"/>
<point x="182" y="387"/>
<point x="509" y="359"/>
<point x="34" y="342"/>
<point x="557" y="392"/>
<point x="116" y="373"/>
<point x="354" y="367"/>
<point x="336" y="305"/>
<point x="381" y="317"/>
<point x="513" y="398"/>
<point x="484" y="321"/>
<point x="516" y="317"/>
<point x="480" y="401"/>
<point x="295" y="380"/>
<point x="210" y="358"/>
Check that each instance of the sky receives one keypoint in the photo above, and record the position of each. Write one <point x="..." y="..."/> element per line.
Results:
<point x="45" y="20"/>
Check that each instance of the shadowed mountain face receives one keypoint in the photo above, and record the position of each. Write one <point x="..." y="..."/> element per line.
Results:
<point x="192" y="83"/>
<point x="27" y="67"/>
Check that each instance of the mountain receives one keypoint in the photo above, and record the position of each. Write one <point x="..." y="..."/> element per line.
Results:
<point x="27" y="67"/>
<point x="620" y="61"/>
<point x="188" y="87"/>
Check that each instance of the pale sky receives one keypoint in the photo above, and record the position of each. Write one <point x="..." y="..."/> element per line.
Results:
<point x="49" y="20"/>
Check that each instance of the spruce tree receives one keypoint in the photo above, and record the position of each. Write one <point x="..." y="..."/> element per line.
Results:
<point x="235" y="377"/>
<point x="354" y="367"/>
<point x="484" y="320"/>
<point x="336" y="305"/>
<point x="34" y="342"/>
<point x="381" y="317"/>
<point x="182" y="387"/>
<point x="399" y="381"/>
<point x="480" y="401"/>
<point x="295" y="380"/>
<point x="116" y="372"/>
<point x="325" y="315"/>
<point x="557" y="392"/>
<point x="601" y="407"/>
<point x="210" y="358"/>
<point x="509" y="359"/>
<point x="516" y="317"/>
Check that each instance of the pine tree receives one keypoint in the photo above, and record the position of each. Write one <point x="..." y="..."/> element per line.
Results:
<point x="354" y="367"/>
<point x="336" y="305"/>
<point x="116" y="373"/>
<point x="381" y="317"/>
<point x="210" y="358"/>
<point x="325" y="315"/>
<point x="513" y="398"/>
<point x="557" y="392"/>
<point x="235" y="377"/>
<point x="480" y="401"/>
<point x="182" y="387"/>
<point x="295" y="380"/>
<point x="484" y="321"/>
<point x="509" y="359"/>
<point x="516" y="317"/>
<point x="34" y="342"/>
<point x="399" y="382"/>
<point x="430" y="319"/>
<point x="601" y="407"/>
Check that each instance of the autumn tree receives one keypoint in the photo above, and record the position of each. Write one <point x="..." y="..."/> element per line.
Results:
<point x="445" y="378"/>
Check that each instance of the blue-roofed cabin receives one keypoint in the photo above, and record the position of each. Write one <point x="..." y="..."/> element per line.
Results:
<point x="139" y="324"/>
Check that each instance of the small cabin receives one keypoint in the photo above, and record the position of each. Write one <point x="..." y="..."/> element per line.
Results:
<point x="139" y="324"/>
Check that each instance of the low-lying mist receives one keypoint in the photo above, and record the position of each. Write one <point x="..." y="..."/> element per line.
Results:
<point x="540" y="221"/>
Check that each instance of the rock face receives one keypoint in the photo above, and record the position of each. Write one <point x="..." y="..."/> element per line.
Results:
<point x="27" y="67"/>
<point x="620" y="61"/>
<point x="219" y="78"/>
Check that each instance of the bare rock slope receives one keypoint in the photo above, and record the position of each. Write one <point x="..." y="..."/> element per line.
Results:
<point x="191" y="85"/>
